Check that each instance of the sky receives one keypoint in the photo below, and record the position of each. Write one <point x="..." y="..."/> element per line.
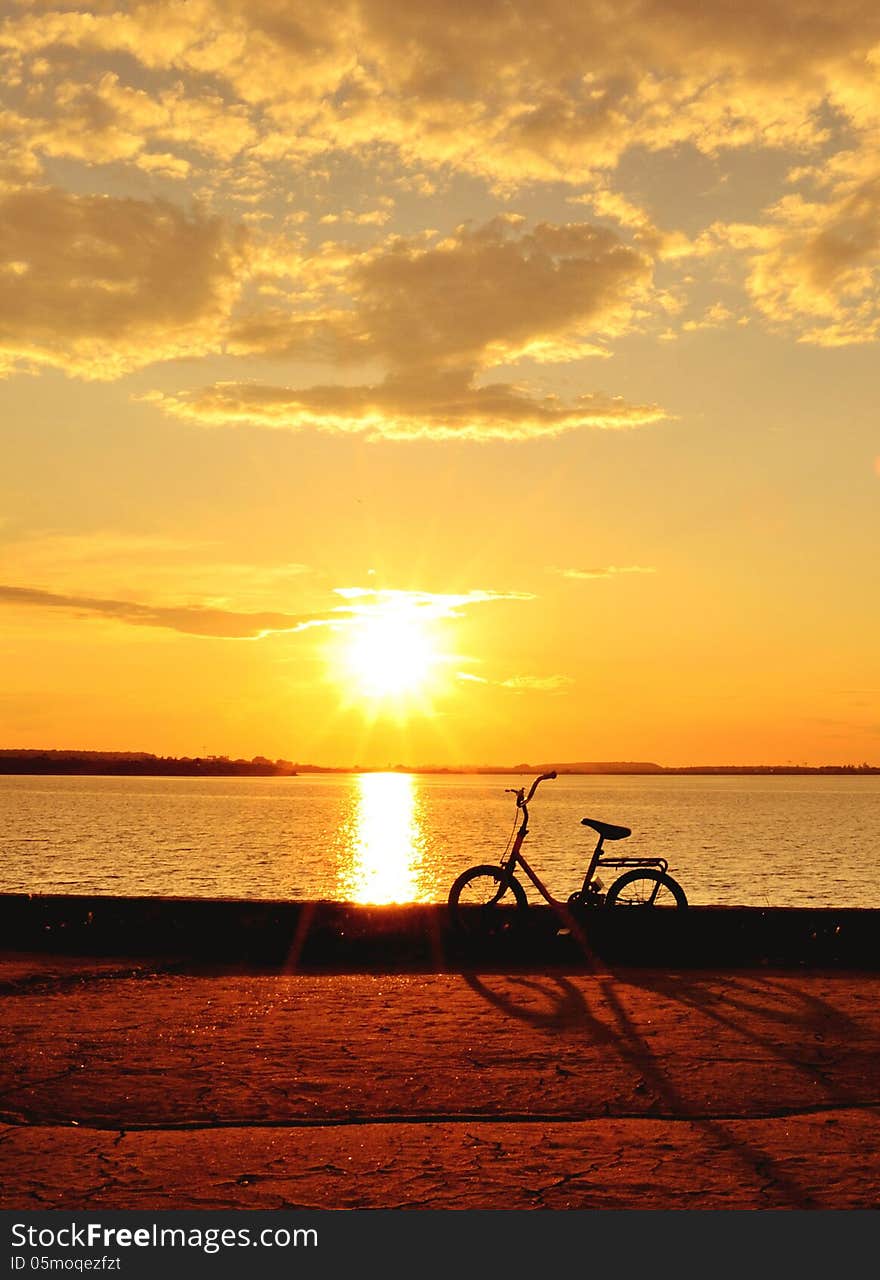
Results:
<point x="441" y="383"/>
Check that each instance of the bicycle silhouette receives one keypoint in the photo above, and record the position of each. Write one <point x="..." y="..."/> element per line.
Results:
<point x="488" y="899"/>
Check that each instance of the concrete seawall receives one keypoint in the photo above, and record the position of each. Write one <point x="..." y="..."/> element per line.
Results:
<point x="347" y="937"/>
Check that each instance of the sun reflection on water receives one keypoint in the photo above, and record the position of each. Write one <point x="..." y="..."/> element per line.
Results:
<point x="383" y="843"/>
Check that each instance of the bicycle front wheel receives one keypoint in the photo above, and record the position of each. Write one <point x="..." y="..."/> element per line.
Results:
<point x="486" y="902"/>
<point x="643" y="887"/>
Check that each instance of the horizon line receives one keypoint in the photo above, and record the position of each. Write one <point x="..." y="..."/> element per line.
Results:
<point x="85" y="754"/>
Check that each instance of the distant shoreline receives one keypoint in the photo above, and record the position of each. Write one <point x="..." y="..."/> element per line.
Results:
<point x="142" y="764"/>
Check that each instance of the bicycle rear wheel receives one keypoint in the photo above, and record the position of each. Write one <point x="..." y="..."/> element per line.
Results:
<point x="644" y="887"/>
<point x="486" y="902"/>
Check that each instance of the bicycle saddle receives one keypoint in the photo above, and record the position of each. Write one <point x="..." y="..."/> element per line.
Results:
<point x="606" y="830"/>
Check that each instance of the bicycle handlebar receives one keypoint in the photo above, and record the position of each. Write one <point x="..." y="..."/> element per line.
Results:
<point x="520" y="792"/>
<point x="544" y="777"/>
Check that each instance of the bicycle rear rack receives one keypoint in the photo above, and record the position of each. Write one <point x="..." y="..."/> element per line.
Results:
<point x="634" y="862"/>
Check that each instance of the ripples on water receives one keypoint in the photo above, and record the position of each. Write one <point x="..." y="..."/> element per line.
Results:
<point x="757" y="841"/>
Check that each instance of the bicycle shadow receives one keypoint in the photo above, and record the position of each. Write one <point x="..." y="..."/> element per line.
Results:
<point x="765" y="998"/>
<point x="749" y="1009"/>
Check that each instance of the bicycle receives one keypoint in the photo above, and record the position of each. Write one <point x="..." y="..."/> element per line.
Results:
<point x="476" y="899"/>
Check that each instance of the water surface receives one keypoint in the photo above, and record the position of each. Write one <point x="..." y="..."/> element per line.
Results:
<point x="756" y="841"/>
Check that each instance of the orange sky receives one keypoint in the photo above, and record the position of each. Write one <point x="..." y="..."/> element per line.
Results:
<point x="441" y="383"/>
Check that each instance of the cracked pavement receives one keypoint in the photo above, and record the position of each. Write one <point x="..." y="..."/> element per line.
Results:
<point x="128" y="1087"/>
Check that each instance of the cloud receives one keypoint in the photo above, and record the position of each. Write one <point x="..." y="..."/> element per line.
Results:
<point x="98" y="285"/>
<point x="438" y="408"/>
<point x="429" y="603"/>
<point x="816" y="269"/>
<point x="237" y="96"/>
<point x="228" y="624"/>
<point x="482" y="295"/>
<point x="438" y="316"/>
<point x="100" y="120"/>
<point x="522" y="91"/>
<point x="715" y="316"/>
<point x="495" y="292"/>
<point x="521" y="684"/>
<point x="192" y="620"/>
<point x="542" y="683"/>
<point x="366" y="218"/>
<point x="811" y="266"/>
<point x="609" y="571"/>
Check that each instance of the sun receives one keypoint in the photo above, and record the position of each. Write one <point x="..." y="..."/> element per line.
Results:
<point x="389" y="655"/>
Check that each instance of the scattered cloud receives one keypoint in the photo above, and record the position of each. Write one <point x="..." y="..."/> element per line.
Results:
<point x="366" y="218"/>
<point x="536" y="90"/>
<point x="439" y="316"/>
<point x="812" y="263"/>
<point x="548" y="684"/>
<point x="714" y="317"/>
<point x="521" y="684"/>
<point x="104" y="120"/>
<point x="816" y="265"/>
<point x="98" y="285"/>
<point x="429" y="603"/>
<point x="481" y="296"/>
<point x="232" y="98"/>
<point x="609" y="571"/>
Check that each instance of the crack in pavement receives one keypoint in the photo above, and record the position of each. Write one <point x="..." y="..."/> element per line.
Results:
<point x="23" y="1120"/>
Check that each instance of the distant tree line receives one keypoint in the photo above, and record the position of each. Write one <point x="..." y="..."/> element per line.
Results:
<point x="128" y="763"/>
<point x="774" y="768"/>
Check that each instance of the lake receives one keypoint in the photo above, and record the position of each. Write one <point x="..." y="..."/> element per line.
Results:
<point x="753" y="841"/>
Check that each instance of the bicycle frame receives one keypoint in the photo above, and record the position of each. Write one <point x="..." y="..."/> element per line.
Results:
<point x="517" y="858"/>
<point x="618" y="861"/>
